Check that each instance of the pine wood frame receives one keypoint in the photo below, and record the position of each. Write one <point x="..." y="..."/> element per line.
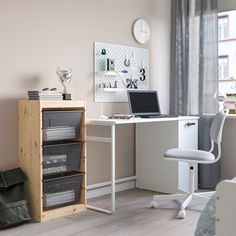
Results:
<point x="30" y="155"/>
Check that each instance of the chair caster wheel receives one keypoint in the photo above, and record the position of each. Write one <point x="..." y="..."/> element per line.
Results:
<point x="154" y="204"/>
<point x="182" y="214"/>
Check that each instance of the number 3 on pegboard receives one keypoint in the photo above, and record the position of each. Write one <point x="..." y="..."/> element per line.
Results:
<point x="143" y="75"/>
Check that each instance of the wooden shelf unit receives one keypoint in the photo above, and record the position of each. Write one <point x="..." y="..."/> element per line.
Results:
<point x="30" y="155"/>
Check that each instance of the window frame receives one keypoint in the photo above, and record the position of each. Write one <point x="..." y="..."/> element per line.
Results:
<point x="227" y="33"/>
<point x="224" y="57"/>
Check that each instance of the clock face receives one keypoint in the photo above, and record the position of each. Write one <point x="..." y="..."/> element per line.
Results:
<point x="141" y="31"/>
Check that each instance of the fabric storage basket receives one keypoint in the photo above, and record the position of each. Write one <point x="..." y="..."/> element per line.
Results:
<point x="13" y="205"/>
<point x="61" y="125"/>
<point x="61" y="189"/>
<point x="61" y="157"/>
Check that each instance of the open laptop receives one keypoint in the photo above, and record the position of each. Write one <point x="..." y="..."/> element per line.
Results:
<point x="145" y="104"/>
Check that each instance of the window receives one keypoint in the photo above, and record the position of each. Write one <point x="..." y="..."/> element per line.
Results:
<point x="227" y="56"/>
<point x="223" y="27"/>
<point x="223" y="67"/>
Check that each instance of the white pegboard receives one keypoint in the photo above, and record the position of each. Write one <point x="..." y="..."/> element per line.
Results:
<point x="137" y="60"/>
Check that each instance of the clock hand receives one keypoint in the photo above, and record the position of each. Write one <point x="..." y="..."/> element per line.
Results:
<point x="143" y="29"/>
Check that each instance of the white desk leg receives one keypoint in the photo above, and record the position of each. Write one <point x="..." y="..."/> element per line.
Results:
<point x="113" y="174"/>
<point x="113" y="168"/>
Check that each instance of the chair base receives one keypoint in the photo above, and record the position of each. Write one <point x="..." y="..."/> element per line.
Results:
<point x="187" y="197"/>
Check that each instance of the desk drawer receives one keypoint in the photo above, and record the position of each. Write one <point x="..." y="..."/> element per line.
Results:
<point x="188" y="134"/>
<point x="152" y="141"/>
<point x="187" y="138"/>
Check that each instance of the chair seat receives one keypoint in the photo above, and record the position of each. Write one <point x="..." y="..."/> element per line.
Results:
<point x="189" y="154"/>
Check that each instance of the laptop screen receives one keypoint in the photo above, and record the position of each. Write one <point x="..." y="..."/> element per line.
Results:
<point x="143" y="102"/>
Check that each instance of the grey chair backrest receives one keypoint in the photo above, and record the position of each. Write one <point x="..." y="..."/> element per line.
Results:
<point x="217" y="126"/>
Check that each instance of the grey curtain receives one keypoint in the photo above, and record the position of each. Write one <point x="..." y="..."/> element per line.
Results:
<point x="194" y="69"/>
<point x="207" y="11"/>
<point x="194" y="57"/>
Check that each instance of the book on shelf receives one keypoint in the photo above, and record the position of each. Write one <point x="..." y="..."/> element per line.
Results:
<point x="42" y="93"/>
<point x="45" y="98"/>
<point x="45" y="95"/>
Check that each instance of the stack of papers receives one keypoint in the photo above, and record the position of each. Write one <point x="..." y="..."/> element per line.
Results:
<point x="54" y="164"/>
<point x="53" y="199"/>
<point x="54" y="169"/>
<point x="44" y="95"/>
<point x="54" y="159"/>
<point x="58" y="133"/>
<point x="120" y="116"/>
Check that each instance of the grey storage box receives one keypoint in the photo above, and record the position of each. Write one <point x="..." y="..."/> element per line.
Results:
<point x="63" y="188"/>
<point x="61" y="124"/>
<point x="61" y="157"/>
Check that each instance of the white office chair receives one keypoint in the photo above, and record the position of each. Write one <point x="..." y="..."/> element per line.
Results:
<point x="192" y="157"/>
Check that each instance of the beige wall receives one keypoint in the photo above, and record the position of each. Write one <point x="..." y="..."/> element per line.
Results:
<point x="39" y="35"/>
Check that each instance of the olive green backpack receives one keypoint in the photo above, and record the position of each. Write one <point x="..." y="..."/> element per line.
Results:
<point x="13" y="205"/>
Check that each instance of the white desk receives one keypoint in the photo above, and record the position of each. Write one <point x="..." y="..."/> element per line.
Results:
<point x="138" y="121"/>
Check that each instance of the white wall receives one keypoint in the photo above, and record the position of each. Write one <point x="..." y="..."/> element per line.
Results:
<point x="160" y="51"/>
<point x="226" y="5"/>
<point x="39" y="35"/>
<point x="228" y="157"/>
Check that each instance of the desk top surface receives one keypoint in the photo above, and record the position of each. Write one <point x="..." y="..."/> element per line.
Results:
<point x="108" y="121"/>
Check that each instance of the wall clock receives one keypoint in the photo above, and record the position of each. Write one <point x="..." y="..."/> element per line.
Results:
<point x="141" y="31"/>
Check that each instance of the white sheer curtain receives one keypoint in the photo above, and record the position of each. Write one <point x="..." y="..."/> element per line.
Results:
<point x="194" y="57"/>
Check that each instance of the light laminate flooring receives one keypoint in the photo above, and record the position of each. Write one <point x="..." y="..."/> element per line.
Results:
<point x="132" y="217"/>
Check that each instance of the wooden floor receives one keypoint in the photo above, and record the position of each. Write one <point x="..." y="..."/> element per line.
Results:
<point x="132" y="217"/>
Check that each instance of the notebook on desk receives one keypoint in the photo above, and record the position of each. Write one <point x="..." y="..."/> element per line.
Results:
<point x="145" y="104"/>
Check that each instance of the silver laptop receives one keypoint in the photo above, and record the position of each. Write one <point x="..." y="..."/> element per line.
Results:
<point x="145" y="104"/>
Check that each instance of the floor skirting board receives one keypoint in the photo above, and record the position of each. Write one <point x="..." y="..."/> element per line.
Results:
<point x="101" y="189"/>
